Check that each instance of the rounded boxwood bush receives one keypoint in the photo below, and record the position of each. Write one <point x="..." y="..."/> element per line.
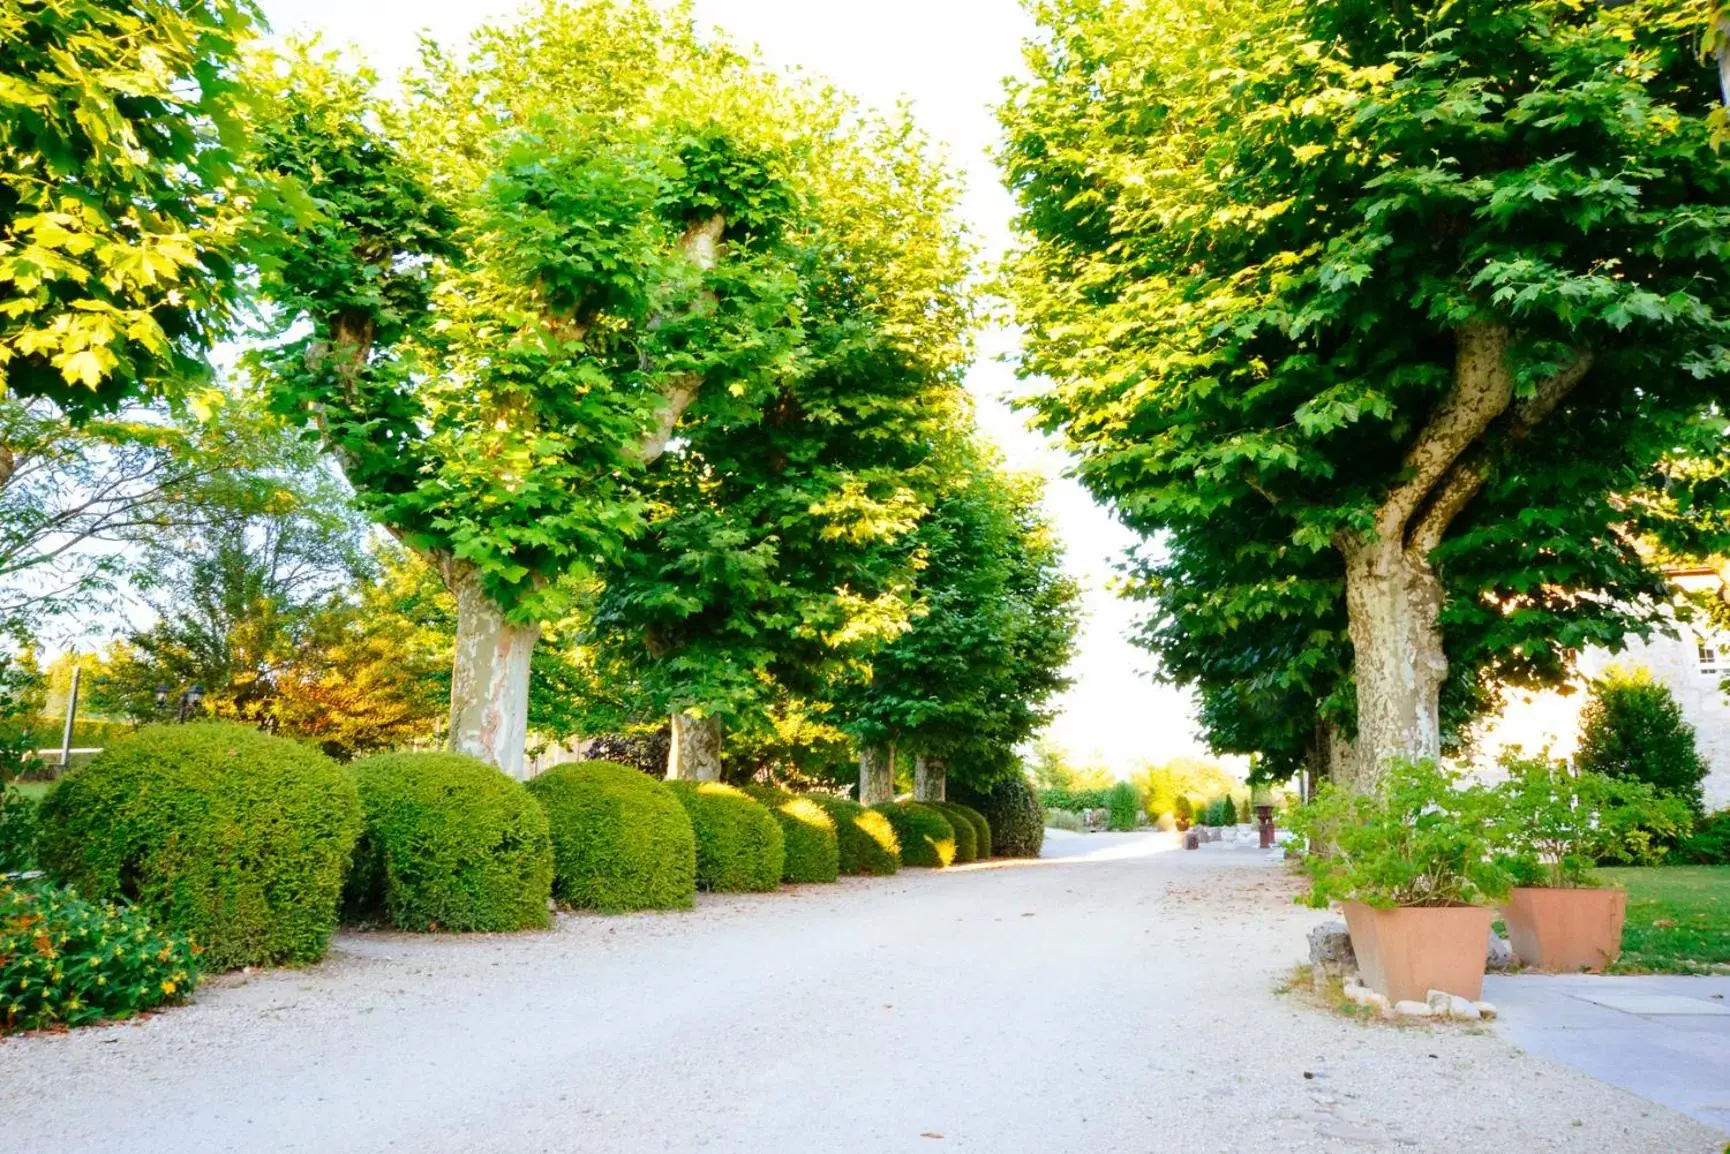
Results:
<point x="865" y="839"/>
<point x="739" y="844"/>
<point x="927" y="839"/>
<point x="966" y="837"/>
<point x="621" y="840"/>
<point x="1017" y="823"/>
<point x="808" y="833"/>
<point x="237" y="839"/>
<point x="448" y="843"/>
<point x="981" y="827"/>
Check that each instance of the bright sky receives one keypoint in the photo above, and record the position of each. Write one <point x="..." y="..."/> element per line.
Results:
<point x="947" y="57"/>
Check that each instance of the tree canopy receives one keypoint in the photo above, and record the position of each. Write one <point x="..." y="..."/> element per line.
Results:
<point x="1392" y="326"/>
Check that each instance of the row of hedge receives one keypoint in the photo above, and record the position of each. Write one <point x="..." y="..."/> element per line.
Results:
<point x="248" y="848"/>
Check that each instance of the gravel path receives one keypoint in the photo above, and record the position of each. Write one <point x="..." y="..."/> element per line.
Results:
<point x="1113" y="997"/>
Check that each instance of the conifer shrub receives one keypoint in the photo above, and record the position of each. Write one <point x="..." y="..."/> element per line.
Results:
<point x="1122" y="806"/>
<point x="65" y="961"/>
<point x="865" y="839"/>
<point x="813" y="851"/>
<point x="1009" y="804"/>
<point x="740" y="848"/>
<point x="448" y="843"/>
<point x="232" y="837"/>
<point x="927" y="838"/>
<point x="966" y="836"/>
<point x="981" y="827"/>
<point x="621" y="840"/>
<point x="1633" y="728"/>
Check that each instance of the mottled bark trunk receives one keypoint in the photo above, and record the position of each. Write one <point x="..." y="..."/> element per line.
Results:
<point x="489" y="676"/>
<point x="695" y="754"/>
<point x="930" y="778"/>
<point x="876" y="775"/>
<point x="1393" y="604"/>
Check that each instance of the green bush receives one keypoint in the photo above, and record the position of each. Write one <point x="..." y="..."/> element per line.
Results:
<point x="448" y="843"/>
<point x="68" y="962"/>
<point x="808" y="832"/>
<point x="17" y="831"/>
<point x="1633" y="728"/>
<point x="1552" y="824"/>
<point x="621" y="840"/>
<point x="1219" y="812"/>
<point x="739" y="844"/>
<point x="966" y="837"/>
<point x="981" y="827"/>
<point x="927" y="839"/>
<point x="865" y="838"/>
<point x="1122" y="806"/>
<point x="1709" y="844"/>
<point x="1064" y="819"/>
<point x="1183" y="809"/>
<point x="1017" y="825"/>
<point x="1074" y="800"/>
<point x="232" y="837"/>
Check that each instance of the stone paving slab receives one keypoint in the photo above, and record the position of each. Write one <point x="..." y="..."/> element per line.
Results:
<point x="1666" y="1039"/>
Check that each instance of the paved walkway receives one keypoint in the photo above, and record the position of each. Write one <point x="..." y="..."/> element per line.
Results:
<point x="1666" y="1039"/>
<point x="1117" y="998"/>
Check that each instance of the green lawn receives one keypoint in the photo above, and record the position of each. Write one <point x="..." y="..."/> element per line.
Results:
<point x="1678" y="918"/>
<point x="33" y="789"/>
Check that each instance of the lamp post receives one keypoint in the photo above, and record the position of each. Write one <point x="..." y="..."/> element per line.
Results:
<point x="189" y="702"/>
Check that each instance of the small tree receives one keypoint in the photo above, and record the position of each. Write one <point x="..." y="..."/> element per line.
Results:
<point x="1633" y="728"/>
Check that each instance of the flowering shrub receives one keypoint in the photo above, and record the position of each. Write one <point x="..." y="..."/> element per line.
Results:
<point x="66" y="961"/>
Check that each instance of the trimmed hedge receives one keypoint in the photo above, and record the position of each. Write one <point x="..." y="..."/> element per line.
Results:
<point x="981" y="827"/>
<point x="927" y="839"/>
<point x="449" y="843"/>
<point x="739" y="844"/>
<point x="1123" y="806"/>
<point x="68" y="962"/>
<point x="807" y="831"/>
<point x="1017" y="823"/>
<point x="230" y="836"/>
<point x="966" y="837"/>
<point x="865" y="838"/>
<point x="621" y="840"/>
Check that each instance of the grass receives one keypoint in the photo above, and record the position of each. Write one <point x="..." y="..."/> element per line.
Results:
<point x="1678" y="919"/>
<point x="36" y="790"/>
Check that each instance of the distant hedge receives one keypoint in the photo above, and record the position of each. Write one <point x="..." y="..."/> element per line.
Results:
<point x="1122" y="806"/>
<point x="926" y="836"/>
<point x="966" y="836"/>
<point x="1017" y="822"/>
<point x="1074" y="800"/>
<point x="621" y="840"/>
<point x="865" y="838"/>
<point x="449" y="843"/>
<point x="740" y="848"/>
<point x="981" y="827"/>
<point x="813" y="851"/>
<point x="235" y="838"/>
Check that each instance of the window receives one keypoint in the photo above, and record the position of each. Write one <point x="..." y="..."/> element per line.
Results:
<point x="1712" y="658"/>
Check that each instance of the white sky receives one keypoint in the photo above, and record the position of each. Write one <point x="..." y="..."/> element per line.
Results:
<point x="948" y="57"/>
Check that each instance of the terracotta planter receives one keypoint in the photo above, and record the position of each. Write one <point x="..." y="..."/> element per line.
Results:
<point x="1566" y="931"/>
<point x="1405" y="953"/>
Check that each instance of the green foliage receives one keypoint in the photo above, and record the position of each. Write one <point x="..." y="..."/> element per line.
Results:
<point x="1423" y="838"/>
<point x="449" y="843"/>
<point x="621" y="840"/>
<point x="1708" y="843"/>
<point x="981" y="827"/>
<point x="17" y="830"/>
<point x="740" y="848"/>
<point x="234" y="838"/>
<point x="1123" y="806"/>
<point x="1182" y="808"/>
<point x="867" y="841"/>
<point x="966" y="834"/>
<point x="1008" y="804"/>
<point x="68" y="962"/>
<point x="1219" y="812"/>
<point x="119" y="135"/>
<point x="20" y="684"/>
<point x="927" y="838"/>
<point x="1075" y="800"/>
<point x="1064" y="819"/>
<point x="1190" y="777"/>
<point x="1633" y="728"/>
<point x="808" y="831"/>
<point x="1552" y="824"/>
<point x="1255" y="241"/>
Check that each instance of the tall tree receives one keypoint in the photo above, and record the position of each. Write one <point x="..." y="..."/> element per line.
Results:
<point x="120" y="198"/>
<point x="1390" y="315"/>
<point x="514" y="286"/>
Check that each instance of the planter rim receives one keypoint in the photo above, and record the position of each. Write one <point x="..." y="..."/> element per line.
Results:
<point x="1452" y="906"/>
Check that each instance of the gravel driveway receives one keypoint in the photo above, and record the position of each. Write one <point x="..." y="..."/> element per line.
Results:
<point x="1113" y="997"/>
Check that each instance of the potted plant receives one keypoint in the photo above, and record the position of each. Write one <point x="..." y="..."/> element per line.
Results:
<point x="1411" y="866"/>
<point x="1553" y="825"/>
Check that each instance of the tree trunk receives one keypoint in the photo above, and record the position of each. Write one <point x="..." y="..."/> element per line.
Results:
<point x="876" y="775"/>
<point x="1393" y="602"/>
<point x="489" y="676"/>
<point x="930" y="778"/>
<point x="695" y="754"/>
